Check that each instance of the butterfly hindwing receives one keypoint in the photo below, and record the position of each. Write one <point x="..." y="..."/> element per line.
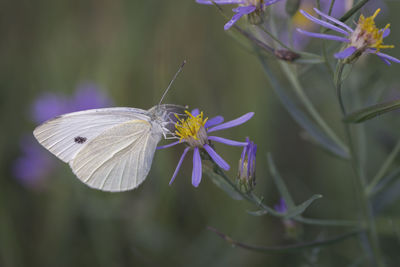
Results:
<point x="118" y="159"/>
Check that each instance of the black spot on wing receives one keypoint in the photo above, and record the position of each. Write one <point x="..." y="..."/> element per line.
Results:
<point x="80" y="139"/>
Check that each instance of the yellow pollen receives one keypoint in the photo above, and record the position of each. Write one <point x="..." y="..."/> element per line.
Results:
<point x="189" y="127"/>
<point x="370" y="31"/>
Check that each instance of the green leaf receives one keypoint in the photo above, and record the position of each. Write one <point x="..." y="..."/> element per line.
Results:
<point x="221" y="183"/>
<point x="280" y="184"/>
<point x="371" y="112"/>
<point x="301" y="118"/>
<point x="295" y="211"/>
<point x="257" y="212"/>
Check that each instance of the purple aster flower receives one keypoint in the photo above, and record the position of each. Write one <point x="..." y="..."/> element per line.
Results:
<point x="194" y="130"/>
<point x="35" y="163"/>
<point x="247" y="166"/>
<point x="365" y="38"/>
<point x="246" y="7"/>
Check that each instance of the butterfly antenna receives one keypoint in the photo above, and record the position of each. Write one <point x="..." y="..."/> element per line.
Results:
<point x="172" y="81"/>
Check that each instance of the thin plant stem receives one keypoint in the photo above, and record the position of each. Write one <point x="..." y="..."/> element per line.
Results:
<point x="359" y="181"/>
<point x="287" y="248"/>
<point x="274" y="38"/>
<point x="383" y="170"/>
<point x="331" y="7"/>
<point x="353" y="10"/>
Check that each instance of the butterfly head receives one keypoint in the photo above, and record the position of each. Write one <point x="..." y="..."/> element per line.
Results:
<point x="165" y="116"/>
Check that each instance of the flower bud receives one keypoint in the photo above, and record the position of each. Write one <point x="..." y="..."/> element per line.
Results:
<point x="247" y="167"/>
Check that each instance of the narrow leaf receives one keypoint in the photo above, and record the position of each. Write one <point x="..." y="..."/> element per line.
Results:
<point x="258" y="212"/>
<point x="371" y="112"/>
<point x="301" y="208"/>
<point x="221" y="183"/>
<point x="301" y="118"/>
<point x="280" y="184"/>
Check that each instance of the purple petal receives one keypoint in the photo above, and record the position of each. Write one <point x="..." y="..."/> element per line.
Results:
<point x="324" y="36"/>
<point x="323" y="23"/>
<point x="226" y="141"/>
<point x="241" y="11"/>
<point x="386" y="33"/>
<point x="333" y="20"/>
<point x="217" y="158"/>
<point x="232" y="123"/>
<point x="179" y="164"/>
<point x="196" y="173"/>
<point x="387" y="57"/>
<point x="346" y="53"/>
<point x="168" y="145"/>
<point x="270" y="2"/>
<point x="220" y="2"/>
<point x="195" y="112"/>
<point x="214" y="121"/>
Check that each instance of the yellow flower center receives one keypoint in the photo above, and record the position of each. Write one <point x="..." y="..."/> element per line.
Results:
<point x="191" y="129"/>
<point x="256" y="3"/>
<point x="367" y="35"/>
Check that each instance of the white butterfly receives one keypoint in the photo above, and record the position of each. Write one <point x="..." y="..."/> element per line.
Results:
<point x="110" y="149"/>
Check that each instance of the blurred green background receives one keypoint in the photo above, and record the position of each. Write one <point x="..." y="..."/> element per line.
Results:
<point x="131" y="49"/>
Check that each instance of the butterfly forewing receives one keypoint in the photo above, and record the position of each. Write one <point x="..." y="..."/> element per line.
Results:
<point x="66" y="135"/>
<point x="120" y="158"/>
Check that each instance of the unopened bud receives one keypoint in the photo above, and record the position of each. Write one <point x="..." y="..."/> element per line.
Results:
<point x="247" y="167"/>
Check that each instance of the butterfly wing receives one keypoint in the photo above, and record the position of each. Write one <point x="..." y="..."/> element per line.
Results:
<point x="120" y="158"/>
<point x="66" y="135"/>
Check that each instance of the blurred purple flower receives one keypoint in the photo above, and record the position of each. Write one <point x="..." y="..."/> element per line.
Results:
<point x="194" y="131"/>
<point x="281" y="207"/>
<point x="35" y="163"/>
<point x="245" y="7"/>
<point x="366" y="38"/>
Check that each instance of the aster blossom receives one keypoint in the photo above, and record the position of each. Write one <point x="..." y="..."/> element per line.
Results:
<point x="246" y="7"/>
<point x="365" y="38"/>
<point x="194" y="131"/>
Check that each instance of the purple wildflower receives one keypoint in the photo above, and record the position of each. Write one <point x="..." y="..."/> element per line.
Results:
<point x="247" y="166"/>
<point x="194" y="131"/>
<point x="246" y="7"/>
<point x="365" y="38"/>
<point x="35" y="163"/>
<point x="281" y="207"/>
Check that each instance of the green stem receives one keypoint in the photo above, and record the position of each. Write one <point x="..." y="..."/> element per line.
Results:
<point x="258" y="202"/>
<point x="359" y="181"/>
<point x="287" y="248"/>
<point x="331" y="7"/>
<point x="383" y="170"/>
<point x="274" y="38"/>
<point x="353" y="10"/>
<point x="309" y="106"/>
